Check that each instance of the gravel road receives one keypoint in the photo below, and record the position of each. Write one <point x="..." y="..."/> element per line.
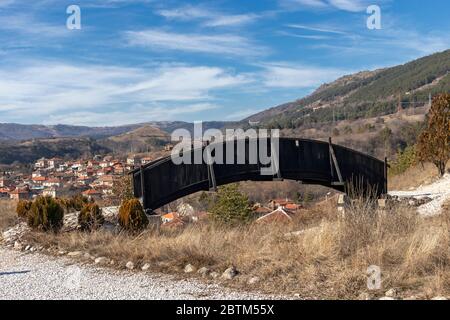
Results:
<point x="36" y="276"/>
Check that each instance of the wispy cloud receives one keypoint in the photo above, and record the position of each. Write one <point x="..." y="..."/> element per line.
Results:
<point x="323" y="29"/>
<point x="228" y="44"/>
<point x="346" y="5"/>
<point x="289" y="75"/>
<point x="138" y="113"/>
<point x="210" y="17"/>
<point x="57" y="90"/>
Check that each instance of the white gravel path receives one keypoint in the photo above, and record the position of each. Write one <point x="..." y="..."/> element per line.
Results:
<point x="36" y="276"/>
<point x="439" y="191"/>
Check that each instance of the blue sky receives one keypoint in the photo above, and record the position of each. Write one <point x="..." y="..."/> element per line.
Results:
<point x="146" y="60"/>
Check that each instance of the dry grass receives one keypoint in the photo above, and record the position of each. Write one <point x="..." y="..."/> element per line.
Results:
<point x="328" y="260"/>
<point x="7" y="213"/>
<point x="414" y="177"/>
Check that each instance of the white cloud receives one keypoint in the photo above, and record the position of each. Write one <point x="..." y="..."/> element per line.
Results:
<point x="284" y="75"/>
<point x="27" y="25"/>
<point x="346" y="5"/>
<point x="241" y="114"/>
<point x="211" y="17"/>
<point x="227" y="44"/>
<point x="323" y="29"/>
<point x="138" y="113"/>
<point x="57" y="90"/>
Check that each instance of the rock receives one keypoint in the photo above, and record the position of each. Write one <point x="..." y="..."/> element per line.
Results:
<point x="145" y="267"/>
<point x="364" y="296"/>
<point x="296" y="295"/>
<point x="18" y="246"/>
<point x="74" y="253"/>
<point x="253" y="280"/>
<point x="204" y="271"/>
<point x="129" y="265"/>
<point x="230" y="273"/>
<point x="28" y="247"/>
<point x="32" y="249"/>
<point x="189" y="268"/>
<point x="391" y="293"/>
<point x="386" y="298"/>
<point x="112" y="262"/>
<point x="439" y="298"/>
<point x="101" y="260"/>
<point x="87" y="256"/>
<point x="214" y="275"/>
<point x="411" y="298"/>
<point x="61" y="252"/>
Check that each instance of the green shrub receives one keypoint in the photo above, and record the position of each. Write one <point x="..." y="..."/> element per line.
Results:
<point x="22" y="209"/>
<point x="75" y="203"/>
<point x="405" y="159"/>
<point x="46" y="214"/>
<point x="132" y="216"/>
<point x="90" y="217"/>
<point x="231" y="207"/>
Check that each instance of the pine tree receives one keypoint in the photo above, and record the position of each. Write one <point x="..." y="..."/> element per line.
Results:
<point x="231" y="206"/>
<point x="434" y="142"/>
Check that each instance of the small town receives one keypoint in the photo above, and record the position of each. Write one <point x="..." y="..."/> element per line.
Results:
<point x="95" y="180"/>
<point x="55" y="177"/>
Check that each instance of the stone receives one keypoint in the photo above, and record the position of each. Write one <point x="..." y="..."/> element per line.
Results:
<point x="28" y="247"/>
<point x="75" y="253"/>
<point x="101" y="260"/>
<point x="440" y="298"/>
<point x="145" y="267"/>
<point x="130" y="265"/>
<point x="364" y="296"/>
<point x="214" y="275"/>
<point x="253" y="280"/>
<point x="87" y="256"/>
<point x="189" y="268"/>
<point x="32" y="249"/>
<point x="18" y="246"/>
<point x="112" y="262"/>
<point x="61" y="252"/>
<point x="392" y="293"/>
<point x="386" y="298"/>
<point x="204" y="271"/>
<point x="230" y="273"/>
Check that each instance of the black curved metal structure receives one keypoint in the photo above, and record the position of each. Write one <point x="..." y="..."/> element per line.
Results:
<point x="307" y="161"/>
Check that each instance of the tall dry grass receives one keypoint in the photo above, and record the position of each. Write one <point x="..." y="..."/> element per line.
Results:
<point x="8" y="214"/>
<point x="327" y="261"/>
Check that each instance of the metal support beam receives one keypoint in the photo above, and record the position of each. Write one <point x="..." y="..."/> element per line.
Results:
<point x="143" y="192"/>
<point x="386" y="175"/>
<point x="274" y="159"/>
<point x="211" y="174"/>
<point x="336" y="165"/>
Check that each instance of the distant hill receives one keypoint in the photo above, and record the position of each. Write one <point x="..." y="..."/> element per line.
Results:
<point x="18" y="132"/>
<point x="143" y="139"/>
<point x="21" y="132"/>
<point x="31" y="150"/>
<point x="365" y="94"/>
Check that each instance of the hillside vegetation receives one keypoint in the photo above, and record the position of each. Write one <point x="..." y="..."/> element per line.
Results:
<point x="366" y="94"/>
<point x="30" y="151"/>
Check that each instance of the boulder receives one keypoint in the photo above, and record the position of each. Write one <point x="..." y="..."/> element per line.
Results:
<point x="130" y="265"/>
<point x="189" y="268"/>
<point x="204" y="271"/>
<point x="74" y="253"/>
<point x="145" y="267"/>
<point x="230" y="273"/>
<point x="101" y="260"/>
